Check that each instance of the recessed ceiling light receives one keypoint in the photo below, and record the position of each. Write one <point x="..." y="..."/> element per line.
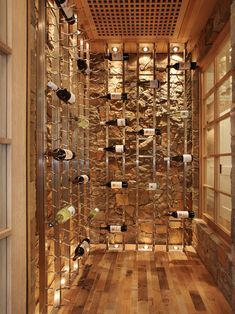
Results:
<point x="115" y="49"/>
<point x="145" y="49"/>
<point x="176" y="49"/>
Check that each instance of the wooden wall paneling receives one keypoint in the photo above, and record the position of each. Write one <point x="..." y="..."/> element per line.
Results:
<point x="18" y="156"/>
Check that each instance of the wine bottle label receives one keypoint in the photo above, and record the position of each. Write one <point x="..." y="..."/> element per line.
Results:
<point x="71" y="209"/>
<point x="121" y="122"/>
<point x="184" y="65"/>
<point x="116" y="96"/>
<point x="119" y="148"/>
<point x="116" y="184"/>
<point x="182" y="214"/>
<point x="68" y="154"/>
<point x="149" y="132"/>
<point x="117" y="56"/>
<point x="52" y="85"/>
<point x="72" y="98"/>
<point x="153" y="186"/>
<point x="115" y="229"/>
<point x="85" y="177"/>
<point x="187" y="158"/>
<point x="154" y="84"/>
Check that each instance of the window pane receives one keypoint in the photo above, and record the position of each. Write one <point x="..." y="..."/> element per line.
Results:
<point x="3" y="276"/>
<point x="209" y="78"/>
<point x="209" y="109"/>
<point x="225" y="97"/>
<point x="225" y="169"/>
<point x="209" y="202"/>
<point x="3" y="98"/>
<point x="209" y="165"/>
<point x="209" y="149"/>
<point x="3" y="21"/>
<point x="3" y="184"/>
<point x="223" y="61"/>
<point x="224" y="128"/>
<point x="224" y="211"/>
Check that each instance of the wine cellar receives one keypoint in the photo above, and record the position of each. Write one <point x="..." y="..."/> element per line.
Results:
<point x="126" y="178"/>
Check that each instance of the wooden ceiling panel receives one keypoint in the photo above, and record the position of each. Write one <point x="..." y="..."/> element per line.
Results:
<point x="159" y="21"/>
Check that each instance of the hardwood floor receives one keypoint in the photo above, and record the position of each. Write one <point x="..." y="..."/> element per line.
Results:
<point x="144" y="282"/>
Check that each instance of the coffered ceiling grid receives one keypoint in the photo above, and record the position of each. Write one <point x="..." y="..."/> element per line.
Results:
<point x="135" y="17"/>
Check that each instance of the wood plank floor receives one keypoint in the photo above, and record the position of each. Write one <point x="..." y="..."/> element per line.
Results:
<point x="144" y="282"/>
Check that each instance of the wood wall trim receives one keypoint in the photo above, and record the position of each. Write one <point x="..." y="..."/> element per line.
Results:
<point x="17" y="176"/>
<point x="217" y="190"/>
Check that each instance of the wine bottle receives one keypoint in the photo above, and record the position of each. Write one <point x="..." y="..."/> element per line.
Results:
<point x="82" y="179"/>
<point x="115" y="228"/>
<point x="183" y="66"/>
<point x="117" y="184"/>
<point x="82" y="249"/>
<point x="114" y="149"/>
<point x="62" y="154"/>
<point x="180" y="158"/>
<point x="82" y="66"/>
<point x="115" y="96"/>
<point x="118" y="122"/>
<point x="63" y="215"/>
<point x="149" y="132"/>
<point x="150" y="83"/>
<point x="62" y="93"/>
<point x="92" y="214"/>
<point x="117" y="56"/>
<point x="181" y="214"/>
<point x="66" y="11"/>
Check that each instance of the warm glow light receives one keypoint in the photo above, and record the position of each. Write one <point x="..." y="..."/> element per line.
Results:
<point x="145" y="49"/>
<point x="146" y="246"/>
<point x="115" y="49"/>
<point x="176" y="49"/>
<point x="175" y="247"/>
<point x="75" y="265"/>
<point x="57" y="296"/>
<point x="62" y="281"/>
<point x="116" y="246"/>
